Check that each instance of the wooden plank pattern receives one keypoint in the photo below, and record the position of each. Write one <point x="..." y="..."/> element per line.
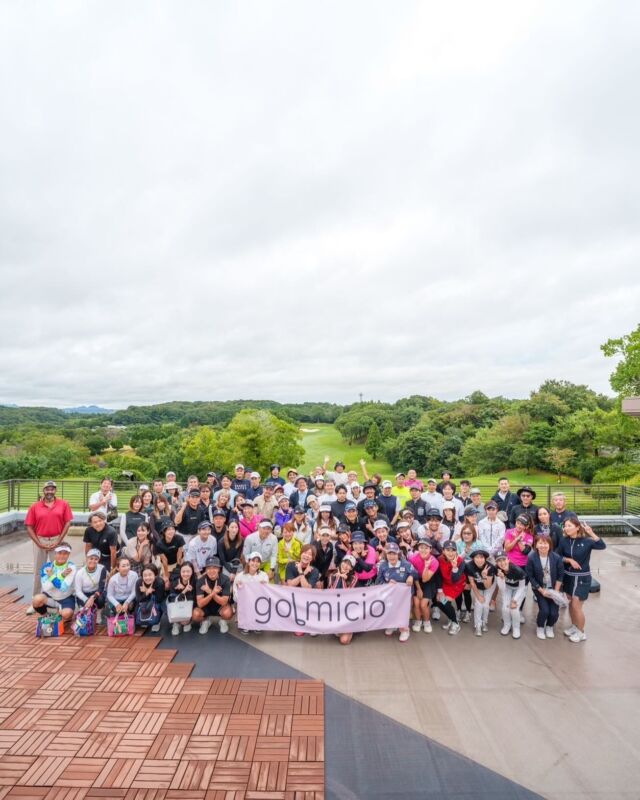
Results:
<point x="117" y="719"/>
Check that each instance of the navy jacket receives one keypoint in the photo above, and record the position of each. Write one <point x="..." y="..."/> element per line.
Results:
<point x="534" y="569"/>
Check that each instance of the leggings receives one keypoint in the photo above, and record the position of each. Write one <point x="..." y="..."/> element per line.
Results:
<point x="449" y="608"/>
<point x="548" y="612"/>
<point x="464" y="598"/>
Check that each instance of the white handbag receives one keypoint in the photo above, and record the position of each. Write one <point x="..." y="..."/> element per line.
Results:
<point x="179" y="610"/>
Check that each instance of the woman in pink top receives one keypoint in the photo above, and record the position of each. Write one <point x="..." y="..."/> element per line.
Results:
<point x="426" y="566"/>
<point x="518" y="541"/>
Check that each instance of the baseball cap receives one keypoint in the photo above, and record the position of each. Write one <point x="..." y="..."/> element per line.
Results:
<point x="247" y="503"/>
<point x="369" y="504"/>
<point x="475" y="490"/>
<point x="402" y="524"/>
<point x="298" y="510"/>
<point x="350" y="559"/>
<point x="350" y="507"/>
<point x="265" y="523"/>
<point x="194" y="492"/>
<point x="239" y="466"/>
<point x="204" y="524"/>
<point x="212" y="561"/>
<point x="380" y="523"/>
<point x="501" y="554"/>
<point x="255" y="475"/>
<point x="338" y="464"/>
<point x="490" y="504"/>
<point x="253" y="555"/>
<point x="433" y="513"/>
<point x="358" y="536"/>
<point x="325" y="507"/>
<point x="53" y="484"/>
<point x="387" y="485"/>
<point x="392" y="547"/>
<point x="480" y="552"/>
<point x="470" y="511"/>
<point x="93" y="553"/>
<point x="426" y="542"/>
<point x="325" y="531"/>
<point x="449" y="545"/>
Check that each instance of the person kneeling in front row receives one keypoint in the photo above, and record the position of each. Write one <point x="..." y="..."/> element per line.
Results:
<point x="213" y="592"/>
<point x="121" y="589"/>
<point x="89" y="584"/>
<point x="57" y="579"/>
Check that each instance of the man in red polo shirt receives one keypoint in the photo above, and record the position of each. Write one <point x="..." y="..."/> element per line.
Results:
<point x="47" y="524"/>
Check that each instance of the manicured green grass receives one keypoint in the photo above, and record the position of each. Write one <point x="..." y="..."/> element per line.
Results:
<point x="325" y="440"/>
<point x="519" y="478"/>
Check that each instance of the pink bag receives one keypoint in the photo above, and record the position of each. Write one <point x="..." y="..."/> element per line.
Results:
<point x="120" y="625"/>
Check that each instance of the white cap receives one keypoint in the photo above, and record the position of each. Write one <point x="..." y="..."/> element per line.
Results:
<point x="380" y="523"/>
<point x="475" y="490"/>
<point x="448" y="504"/>
<point x="255" y="554"/>
<point x="387" y="485"/>
<point x="255" y="475"/>
<point x="239" y="466"/>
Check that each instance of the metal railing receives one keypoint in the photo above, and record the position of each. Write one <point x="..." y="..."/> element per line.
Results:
<point x="597" y="499"/>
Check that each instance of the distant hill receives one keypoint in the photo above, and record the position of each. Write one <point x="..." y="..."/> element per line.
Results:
<point x="87" y="410"/>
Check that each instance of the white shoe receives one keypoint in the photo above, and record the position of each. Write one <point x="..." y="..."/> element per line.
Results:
<point x="455" y="628"/>
<point x="244" y="631"/>
<point x="389" y="631"/>
<point x="31" y="610"/>
<point x="204" y="626"/>
<point x="479" y="630"/>
<point x="186" y="628"/>
<point x="223" y="625"/>
<point x="540" y="633"/>
<point x="426" y="626"/>
<point x="522" y="619"/>
<point x="466" y="616"/>
<point x="485" y="627"/>
<point x="99" y="618"/>
<point x="505" y="629"/>
<point x="578" y="636"/>
<point x="404" y="636"/>
<point x="435" y="614"/>
<point x="516" y="634"/>
<point x="155" y="628"/>
<point x="549" y="633"/>
<point x="447" y="625"/>
<point x="417" y="625"/>
<point x="175" y="629"/>
<point x="570" y="631"/>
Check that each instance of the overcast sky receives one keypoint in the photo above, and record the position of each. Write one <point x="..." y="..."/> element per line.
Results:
<point x="305" y="201"/>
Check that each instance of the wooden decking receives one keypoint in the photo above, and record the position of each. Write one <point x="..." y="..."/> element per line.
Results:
<point x="115" y="718"/>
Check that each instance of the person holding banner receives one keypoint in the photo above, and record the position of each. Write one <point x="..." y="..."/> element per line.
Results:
<point x="263" y="541"/>
<point x="344" y="578"/>
<point x="252" y="573"/>
<point x="396" y="570"/>
<point x="303" y="573"/>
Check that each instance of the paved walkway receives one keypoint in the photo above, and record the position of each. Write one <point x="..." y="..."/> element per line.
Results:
<point x="117" y="718"/>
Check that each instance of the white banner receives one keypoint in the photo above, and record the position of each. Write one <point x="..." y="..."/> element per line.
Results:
<point x="263" y="606"/>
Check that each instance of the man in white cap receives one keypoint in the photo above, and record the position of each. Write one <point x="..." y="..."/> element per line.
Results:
<point x="264" y="542"/>
<point x="58" y="583"/>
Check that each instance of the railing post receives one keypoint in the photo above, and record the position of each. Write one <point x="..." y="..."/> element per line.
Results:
<point x="623" y="499"/>
<point x="548" y="495"/>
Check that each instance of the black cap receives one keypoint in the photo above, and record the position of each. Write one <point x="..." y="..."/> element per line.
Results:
<point x="433" y="513"/>
<point x="218" y="512"/>
<point x="204" y="524"/>
<point x="212" y="561"/>
<point x="274" y="466"/>
<point x="194" y="492"/>
<point x="298" y="510"/>
<point x="480" y="551"/>
<point x="338" y="464"/>
<point x="358" y="536"/>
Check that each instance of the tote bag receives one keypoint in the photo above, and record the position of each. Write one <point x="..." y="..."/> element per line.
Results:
<point x="180" y="609"/>
<point x="120" y="625"/>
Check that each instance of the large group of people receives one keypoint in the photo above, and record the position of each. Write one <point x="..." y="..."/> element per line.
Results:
<point x="202" y="543"/>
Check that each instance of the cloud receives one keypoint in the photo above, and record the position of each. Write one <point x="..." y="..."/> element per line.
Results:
<point x="273" y="201"/>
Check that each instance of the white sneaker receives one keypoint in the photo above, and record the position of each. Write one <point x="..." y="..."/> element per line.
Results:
<point x="186" y="628"/>
<point x="175" y="629"/>
<point x="244" y="631"/>
<point x="466" y="616"/>
<point x="505" y="629"/>
<point x="455" y="628"/>
<point x="31" y="610"/>
<point x="417" y="625"/>
<point x="435" y="614"/>
<point x="204" y="626"/>
<point x="223" y="625"/>
<point x="522" y="619"/>
<point x="570" y="631"/>
<point x="548" y="632"/>
<point x="389" y="631"/>
<point x="479" y="630"/>
<point x="540" y="633"/>
<point x="578" y="636"/>
<point x="155" y="628"/>
<point x="99" y="618"/>
<point x="516" y="633"/>
<point x="447" y="625"/>
<point x="404" y="636"/>
<point x="485" y="627"/>
<point x="426" y="626"/>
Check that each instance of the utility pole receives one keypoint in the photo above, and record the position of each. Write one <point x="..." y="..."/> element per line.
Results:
<point x="361" y="397"/>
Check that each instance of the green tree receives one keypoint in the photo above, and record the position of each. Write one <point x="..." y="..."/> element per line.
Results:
<point x="492" y="449"/>
<point x="388" y="432"/>
<point x="415" y="449"/>
<point x="559" y="458"/>
<point x="200" y="450"/>
<point x="259" y="438"/>
<point x="373" y="445"/>
<point x="625" y="379"/>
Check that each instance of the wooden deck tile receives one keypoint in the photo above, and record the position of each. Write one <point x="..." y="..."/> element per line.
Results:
<point x="118" y="719"/>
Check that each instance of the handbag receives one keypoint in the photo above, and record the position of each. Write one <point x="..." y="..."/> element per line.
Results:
<point x="179" y="610"/>
<point x="120" y="625"/>
<point x="148" y="613"/>
<point x="50" y="625"/>
<point x="85" y="622"/>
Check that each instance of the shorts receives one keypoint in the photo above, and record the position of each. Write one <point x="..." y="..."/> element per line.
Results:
<point x="68" y="602"/>
<point x="577" y="586"/>
<point x="211" y="610"/>
<point x="429" y="589"/>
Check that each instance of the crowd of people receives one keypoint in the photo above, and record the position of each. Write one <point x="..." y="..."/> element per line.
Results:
<point x="202" y="543"/>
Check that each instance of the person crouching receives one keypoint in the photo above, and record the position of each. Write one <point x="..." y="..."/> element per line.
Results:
<point x="58" y="582"/>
